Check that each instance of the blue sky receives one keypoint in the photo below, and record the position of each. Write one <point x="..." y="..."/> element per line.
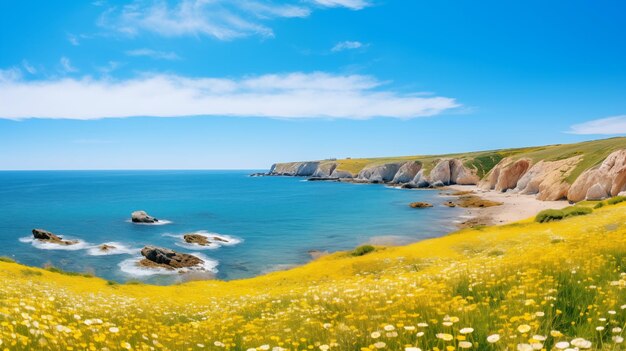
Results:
<point x="241" y="84"/>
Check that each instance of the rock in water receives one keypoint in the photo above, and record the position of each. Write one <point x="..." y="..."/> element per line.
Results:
<point x="196" y="239"/>
<point x="420" y="204"/>
<point x="44" y="235"/>
<point x="106" y="248"/>
<point x="166" y="258"/>
<point x="142" y="217"/>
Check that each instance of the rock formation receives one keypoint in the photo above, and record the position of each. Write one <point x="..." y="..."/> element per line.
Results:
<point x="166" y="258"/>
<point x="339" y="174"/>
<point x="407" y="172"/>
<point x="297" y="169"/>
<point x="546" y="179"/>
<point x="379" y="173"/>
<point x="106" y="248"/>
<point x="46" y="236"/>
<point x="608" y="179"/>
<point x="324" y="170"/>
<point x="420" y="205"/>
<point x="505" y="174"/>
<point x="142" y="217"/>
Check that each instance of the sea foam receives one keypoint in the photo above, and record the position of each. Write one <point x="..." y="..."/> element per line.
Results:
<point x="43" y="245"/>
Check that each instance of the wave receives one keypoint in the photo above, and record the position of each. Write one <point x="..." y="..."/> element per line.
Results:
<point x="120" y="249"/>
<point x="160" y="222"/>
<point x="229" y="240"/>
<point x="43" y="245"/>
<point x="131" y="267"/>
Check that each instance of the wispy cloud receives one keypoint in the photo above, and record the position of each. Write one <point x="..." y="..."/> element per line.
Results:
<point x="28" y="67"/>
<point x="351" y="4"/>
<point x="604" y="126"/>
<point x="294" y="95"/>
<point x="224" y="20"/>
<point x="73" y="39"/>
<point x="348" y="45"/>
<point x="66" y="65"/>
<point x="155" y="54"/>
<point x="220" y="19"/>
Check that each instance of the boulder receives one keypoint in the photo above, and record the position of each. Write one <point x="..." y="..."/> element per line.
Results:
<point x="407" y="172"/>
<point x="420" y="205"/>
<point x="49" y="237"/>
<point x="379" y="173"/>
<point x="546" y="179"/>
<point x="597" y="192"/>
<point x="142" y="217"/>
<point x="166" y="258"/>
<point x="196" y="239"/>
<point x="324" y="170"/>
<point x="610" y="175"/>
<point x="106" y="248"/>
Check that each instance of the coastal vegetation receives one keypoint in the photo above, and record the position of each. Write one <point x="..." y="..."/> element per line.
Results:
<point x="524" y="286"/>
<point x="557" y="215"/>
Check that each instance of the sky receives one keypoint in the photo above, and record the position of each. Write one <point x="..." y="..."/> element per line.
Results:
<point x="217" y="84"/>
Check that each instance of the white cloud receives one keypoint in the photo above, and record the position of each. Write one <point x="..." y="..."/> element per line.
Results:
<point x="73" y="39"/>
<point x="351" y="4"/>
<point x="606" y="126"/>
<point x="294" y="95"/>
<point x="66" y="65"/>
<point x="221" y="19"/>
<point x="348" y="45"/>
<point x="155" y="54"/>
<point x="28" y="67"/>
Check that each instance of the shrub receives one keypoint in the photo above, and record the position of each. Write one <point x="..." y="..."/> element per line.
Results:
<point x="363" y="250"/>
<point x="557" y="215"/>
<point x="615" y="200"/>
<point x="6" y="259"/>
<point x="599" y="205"/>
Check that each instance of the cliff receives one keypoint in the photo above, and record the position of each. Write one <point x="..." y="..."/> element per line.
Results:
<point x="590" y="170"/>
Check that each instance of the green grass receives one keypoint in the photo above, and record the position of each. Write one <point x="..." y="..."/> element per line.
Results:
<point x="363" y="250"/>
<point x="557" y="215"/>
<point x="6" y="259"/>
<point x="616" y="200"/>
<point x="74" y="274"/>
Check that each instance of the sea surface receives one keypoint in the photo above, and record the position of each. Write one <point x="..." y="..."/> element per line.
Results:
<point x="273" y="222"/>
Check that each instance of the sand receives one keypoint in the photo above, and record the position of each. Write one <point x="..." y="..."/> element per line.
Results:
<point x="514" y="207"/>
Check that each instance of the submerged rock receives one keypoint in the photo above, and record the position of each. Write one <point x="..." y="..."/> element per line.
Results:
<point x="166" y="258"/>
<point x="142" y="217"/>
<point x="44" y="235"/>
<point x="203" y="240"/>
<point x="420" y="204"/>
<point x="106" y="248"/>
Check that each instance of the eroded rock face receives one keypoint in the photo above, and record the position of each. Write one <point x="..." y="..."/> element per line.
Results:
<point x="166" y="258"/>
<point x="339" y="174"/>
<point x="440" y="173"/>
<point x="505" y="174"/>
<point x="407" y="172"/>
<point x="299" y="169"/>
<point x="420" y="180"/>
<point x="324" y="170"/>
<point x="609" y="176"/>
<point x="49" y="237"/>
<point x="459" y="174"/>
<point x="546" y="179"/>
<point x="379" y="173"/>
<point x="142" y="217"/>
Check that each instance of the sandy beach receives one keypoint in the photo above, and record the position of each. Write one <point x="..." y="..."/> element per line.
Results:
<point x="514" y="207"/>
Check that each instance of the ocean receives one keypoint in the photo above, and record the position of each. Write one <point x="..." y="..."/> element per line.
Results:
<point x="274" y="222"/>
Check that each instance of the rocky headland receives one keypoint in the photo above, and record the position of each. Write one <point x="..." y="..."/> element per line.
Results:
<point x="586" y="171"/>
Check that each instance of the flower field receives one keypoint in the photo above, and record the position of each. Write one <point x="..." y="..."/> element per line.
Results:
<point x="524" y="286"/>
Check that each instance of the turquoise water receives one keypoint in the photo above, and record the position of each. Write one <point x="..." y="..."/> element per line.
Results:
<point x="277" y="220"/>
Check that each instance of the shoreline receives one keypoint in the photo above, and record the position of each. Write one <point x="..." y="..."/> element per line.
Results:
<point x="515" y="207"/>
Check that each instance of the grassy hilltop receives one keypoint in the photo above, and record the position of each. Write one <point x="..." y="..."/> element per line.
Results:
<point x="593" y="153"/>
<point x="523" y="286"/>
